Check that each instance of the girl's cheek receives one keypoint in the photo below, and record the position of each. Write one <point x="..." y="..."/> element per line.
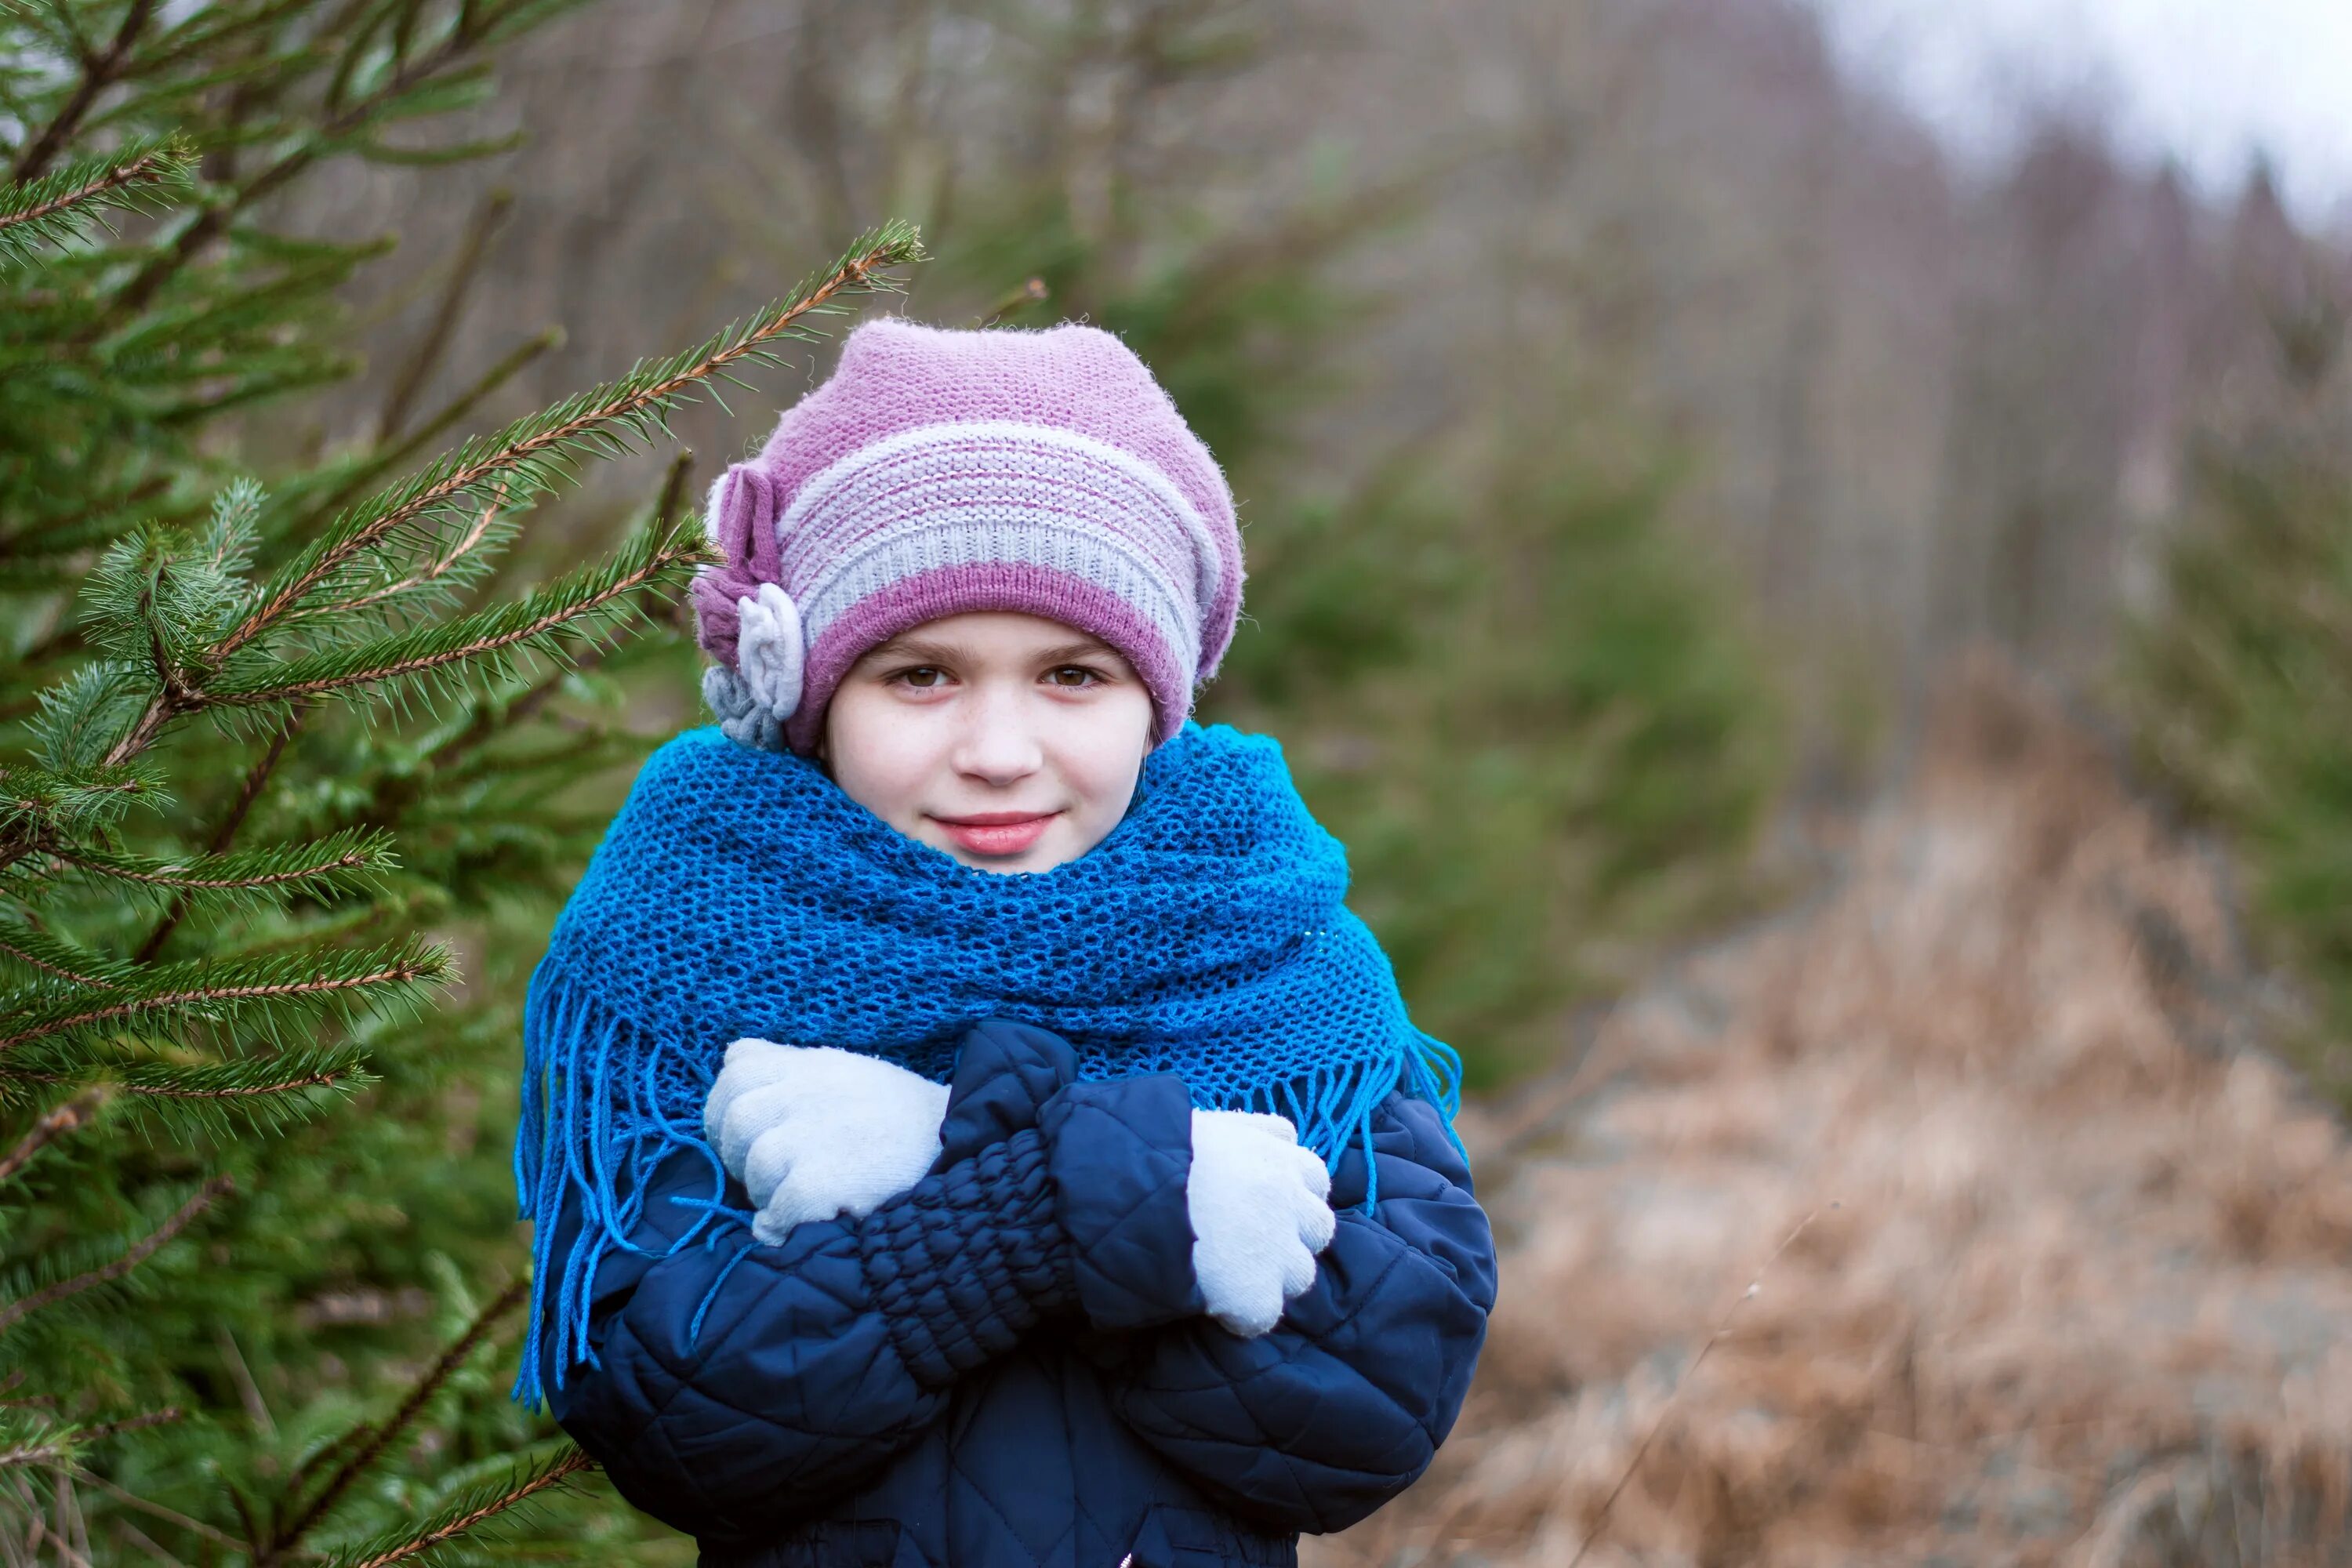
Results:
<point x="1111" y="748"/>
<point x="881" y="753"/>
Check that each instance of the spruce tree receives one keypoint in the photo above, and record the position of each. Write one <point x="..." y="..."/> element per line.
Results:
<point x="2238" y="688"/>
<point x="274" y="750"/>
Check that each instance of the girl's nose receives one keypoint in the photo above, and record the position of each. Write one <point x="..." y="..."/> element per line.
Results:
<point x="996" y="744"/>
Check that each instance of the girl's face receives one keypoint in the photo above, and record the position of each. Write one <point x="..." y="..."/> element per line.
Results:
<point x="1009" y="740"/>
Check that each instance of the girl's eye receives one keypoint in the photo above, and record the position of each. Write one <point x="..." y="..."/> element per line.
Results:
<point x="914" y="676"/>
<point x="1086" y="677"/>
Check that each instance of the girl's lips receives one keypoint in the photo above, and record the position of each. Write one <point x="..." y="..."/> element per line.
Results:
<point x="997" y="832"/>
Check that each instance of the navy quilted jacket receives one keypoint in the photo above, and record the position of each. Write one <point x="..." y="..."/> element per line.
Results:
<point x="1008" y="1366"/>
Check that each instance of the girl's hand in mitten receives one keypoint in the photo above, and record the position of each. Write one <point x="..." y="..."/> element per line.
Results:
<point x="1258" y="1206"/>
<point x="813" y="1132"/>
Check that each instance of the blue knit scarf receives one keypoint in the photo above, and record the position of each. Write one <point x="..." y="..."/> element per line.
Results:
<point x="740" y="892"/>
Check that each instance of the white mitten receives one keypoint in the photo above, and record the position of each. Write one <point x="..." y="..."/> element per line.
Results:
<point x="1259" y="1208"/>
<point x="813" y="1132"/>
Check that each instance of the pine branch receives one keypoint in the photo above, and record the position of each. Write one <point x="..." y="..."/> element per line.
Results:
<point x="430" y="157"/>
<point x="526" y="456"/>
<point x="67" y="1118"/>
<point x="188" y="1104"/>
<point x="39" y="950"/>
<point x="256" y="778"/>
<point x="233" y="988"/>
<point x="371" y="1442"/>
<point x="337" y="863"/>
<point x="432" y="572"/>
<point x="489" y="636"/>
<point x="43" y="803"/>
<point x="235" y="1092"/>
<point x="97" y="71"/>
<point x="490" y="718"/>
<point x="205" y="29"/>
<point x="478" y="1505"/>
<point x="457" y="407"/>
<point x="49" y="209"/>
<point x="59" y="1446"/>
<point x="35" y="801"/>
<point x="138" y="1253"/>
<point x="208" y="223"/>
<point x="523" y="448"/>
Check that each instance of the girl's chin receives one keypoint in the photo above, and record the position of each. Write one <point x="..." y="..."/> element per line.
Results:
<point x="1011" y="864"/>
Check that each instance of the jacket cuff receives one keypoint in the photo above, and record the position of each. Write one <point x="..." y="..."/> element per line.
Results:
<point x="970" y="1262"/>
<point x="1119" y="1153"/>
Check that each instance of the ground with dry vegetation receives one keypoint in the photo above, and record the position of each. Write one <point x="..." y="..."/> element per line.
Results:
<point x="2052" y="1261"/>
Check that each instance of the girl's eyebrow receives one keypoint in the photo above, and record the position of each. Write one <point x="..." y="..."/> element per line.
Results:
<point x="950" y="653"/>
<point x="1089" y="648"/>
<point x="915" y="648"/>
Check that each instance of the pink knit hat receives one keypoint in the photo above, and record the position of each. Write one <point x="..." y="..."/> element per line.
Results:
<point x="940" y="472"/>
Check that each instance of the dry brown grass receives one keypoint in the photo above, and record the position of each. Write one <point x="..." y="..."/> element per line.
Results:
<point x="2085" y="1297"/>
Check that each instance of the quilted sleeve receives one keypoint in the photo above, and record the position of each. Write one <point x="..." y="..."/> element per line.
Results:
<point x="1316" y="1423"/>
<point x="736" y="1386"/>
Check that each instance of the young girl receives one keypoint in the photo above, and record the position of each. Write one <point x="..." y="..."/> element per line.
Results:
<point x="963" y="1125"/>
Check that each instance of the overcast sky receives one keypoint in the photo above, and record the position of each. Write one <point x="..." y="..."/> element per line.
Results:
<point x="2211" y="80"/>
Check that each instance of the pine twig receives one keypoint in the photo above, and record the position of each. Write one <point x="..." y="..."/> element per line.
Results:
<point x="241" y="1091"/>
<point x="49" y="966"/>
<point x="434" y="571"/>
<point x="523" y="449"/>
<point x="373" y="1440"/>
<point x="490" y="720"/>
<point x="853" y="272"/>
<point x="192" y="877"/>
<point x="673" y="491"/>
<point x="1019" y="298"/>
<point x="226" y="834"/>
<point x="320" y="985"/>
<point x="135" y="295"/>
<point x="126" y="1531"/>
<point x="60" y="1449"/>
<point x="146" y="167"/>
<point x="316" y="514"/>
<point x="248" y="1393"/>
<point x="570" y="1464"/>
<point x="1657" y="1423"/>
<point x="97" y="73"/>
<point x="508" y="367"/>
<point x="67" y="1118"/>
<point x="136" y="1254"/>
<point x="622" y="587"/>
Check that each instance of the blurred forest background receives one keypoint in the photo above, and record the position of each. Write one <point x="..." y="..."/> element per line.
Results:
<point x="1637" y="420"/>
<point x="1629" y="412"/>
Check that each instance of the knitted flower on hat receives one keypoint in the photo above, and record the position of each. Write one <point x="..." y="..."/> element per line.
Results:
<point x="938" y="472"/>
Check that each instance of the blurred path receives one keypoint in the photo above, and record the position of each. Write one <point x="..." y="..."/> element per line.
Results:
<point x="2085" y="1296"/>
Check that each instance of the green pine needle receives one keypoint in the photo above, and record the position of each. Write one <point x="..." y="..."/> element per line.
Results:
<point x="468" y="1511"/>
<point x="489" y="645"/>
<point x="349" y="861"/>
<point x="267" y="996"/>
<point x="63" y="204"/>
<point x="513" y="467"/>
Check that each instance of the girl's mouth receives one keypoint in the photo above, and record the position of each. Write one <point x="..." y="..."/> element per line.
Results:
<point x="997" y="832"/>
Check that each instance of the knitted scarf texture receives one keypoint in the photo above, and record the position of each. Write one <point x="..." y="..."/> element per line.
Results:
<point x="741" y="892"/>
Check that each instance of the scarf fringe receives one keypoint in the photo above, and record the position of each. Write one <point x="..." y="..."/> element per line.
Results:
<point x="576" y="1133"/>
<point x="593" y="1122"/>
